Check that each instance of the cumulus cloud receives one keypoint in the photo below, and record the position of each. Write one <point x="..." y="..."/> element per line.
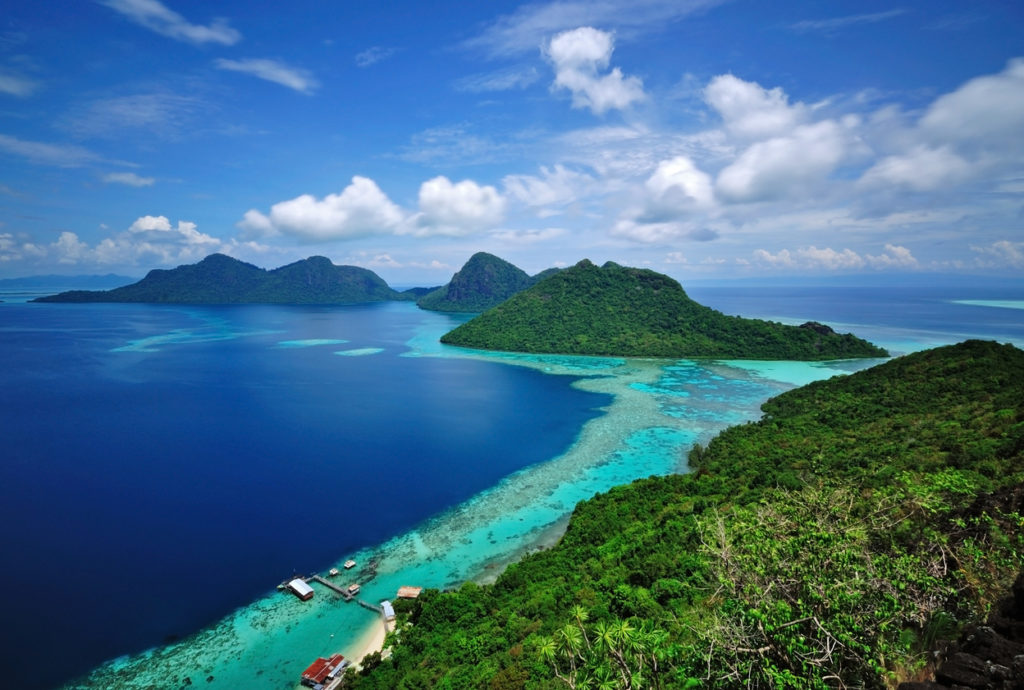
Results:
<point x="1001" y="254"/>
<point x="676" y="187"/>
<point x="579" y="57"/>
<point x="813" y="258"/>
<point x="784" y="165"/>
<point x="157" y="17"/>
<point x="751" y="111"/>
<point x="456" y="209"/>
<point x="894" y="256"/>
<point x="922" y="169"/>
<point x="130" y="179"/>
<point x="361" y="209"/>
<point x="987" y="110"/>
<point x="273" y="71"/>
<point x="149" y="240"/>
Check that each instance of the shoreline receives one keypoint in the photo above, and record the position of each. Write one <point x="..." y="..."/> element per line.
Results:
<point x="372" y="640"/>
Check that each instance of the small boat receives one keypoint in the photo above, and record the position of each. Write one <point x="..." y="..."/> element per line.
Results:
<point x="332" y="572"/>
<point x="349" y="564"/>
<point x="353" y="589"/>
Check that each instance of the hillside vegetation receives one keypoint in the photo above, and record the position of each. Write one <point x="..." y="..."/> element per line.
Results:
<point x="829" y="544"/>
<point x="613" y="310"/>
<point x="220" y="279"/>
<point x="483" y="282"/>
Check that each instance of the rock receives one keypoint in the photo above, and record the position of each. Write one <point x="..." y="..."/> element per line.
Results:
<point x="964" y="669"/>
<point x="986" y="643"/>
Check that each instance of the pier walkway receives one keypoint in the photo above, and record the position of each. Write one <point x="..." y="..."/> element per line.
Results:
<point x="335" y="588"/>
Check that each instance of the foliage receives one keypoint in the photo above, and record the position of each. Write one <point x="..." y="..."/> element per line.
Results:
<point x="220" y="279"/>
<point x="483" y="282"/>
<point x="614" y="310"/>
<point x="827" y="545"/>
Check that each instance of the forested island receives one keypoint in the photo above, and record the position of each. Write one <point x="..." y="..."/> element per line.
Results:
<point x="614" y="310"/>
<point x="833" y="543"/>
<point x="220" y="279"/>
<point x="483" y="282"/>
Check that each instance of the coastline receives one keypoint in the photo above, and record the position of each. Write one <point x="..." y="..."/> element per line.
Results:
<point x="659" y="409"/>
<point x="372" y="640"/>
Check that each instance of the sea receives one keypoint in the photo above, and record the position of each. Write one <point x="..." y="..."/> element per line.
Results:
<point x="165" y="467"/>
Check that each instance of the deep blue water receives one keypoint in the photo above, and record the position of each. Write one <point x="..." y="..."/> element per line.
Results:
<point x="909" y="308"/>
<point x="147" y="493"/>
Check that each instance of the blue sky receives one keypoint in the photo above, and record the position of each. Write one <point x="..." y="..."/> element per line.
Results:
<point x="700" y="138"/>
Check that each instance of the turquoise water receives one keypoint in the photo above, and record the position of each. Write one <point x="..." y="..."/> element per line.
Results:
<point x="659" y="409"/>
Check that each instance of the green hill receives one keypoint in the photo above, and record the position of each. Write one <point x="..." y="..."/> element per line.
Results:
<point x="830" y="544"/>
<point x="220" y="279"/>
<point x="614" y="310"/>
<point x="483" y="282"/>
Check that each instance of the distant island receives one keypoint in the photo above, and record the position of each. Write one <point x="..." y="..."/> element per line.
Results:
<point x="96" y="282"/>
<point x="614" y="310"/>
<point x="220" y="279"/>
<point x="834" y="543"/>
<point x="484" y="281"/>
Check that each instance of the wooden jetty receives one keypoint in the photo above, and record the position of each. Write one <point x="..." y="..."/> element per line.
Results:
<point x="333" y="587"/>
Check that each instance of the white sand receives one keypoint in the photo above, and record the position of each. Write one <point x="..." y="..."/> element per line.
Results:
<point x="371" y="641"/>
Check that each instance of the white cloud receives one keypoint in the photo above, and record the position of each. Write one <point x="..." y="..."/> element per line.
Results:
<point x="525" y="29"/>
<point x="894" y="256"/>
<point x="812" y="258"/>
<point x="157" y="17"/>
<point x="578" y="56"/>
<point x="130" y="179"/>
<point x="661" y="233"/>
<point x="749" y="110"/>
<point x="60" y="155"/>
<point x="456" y="209"/>
<point x="676" y="187"/>
<point x="373" y="55"/>
<point x="149" y="240"/>
<point x="1001" y="254"/>
<point x="274" y="71"/>
<point x="923" y="169"/>
<point x="14" y="84"/>
<point x="361" y="209"/>
<point x="500" y="80"/>
<point x="69" y="249"/>
<point x="987" y="110"/>
<point x="161" y="114"/>
<point x="556" y="186"/>
<point x="784" y="166"/>
<point x="521" y="237"/>
<point x="835" y="23"/>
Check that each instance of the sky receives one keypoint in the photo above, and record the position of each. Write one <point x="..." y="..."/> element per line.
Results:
<point x="698" y="138"/>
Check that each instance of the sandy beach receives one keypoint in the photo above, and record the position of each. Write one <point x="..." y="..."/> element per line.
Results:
<point x="372" y="640"/>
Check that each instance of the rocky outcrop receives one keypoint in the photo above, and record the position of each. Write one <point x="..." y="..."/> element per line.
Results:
<point x="986" y="657"/>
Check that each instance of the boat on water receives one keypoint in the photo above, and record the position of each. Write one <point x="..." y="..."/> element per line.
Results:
<point x="332" y="572"/>
<point x="349" y="564"/>
<point x="353" y="589"/>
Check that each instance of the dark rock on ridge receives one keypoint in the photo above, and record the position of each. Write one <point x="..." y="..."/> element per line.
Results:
<point x="986" y="657"/>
